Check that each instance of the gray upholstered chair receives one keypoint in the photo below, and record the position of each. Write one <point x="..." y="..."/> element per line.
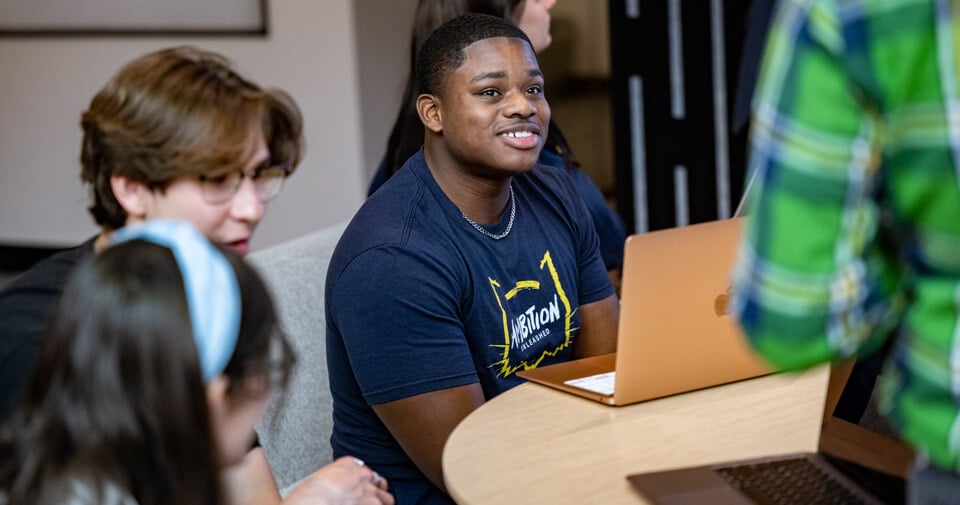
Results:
<point x="295" y="433"/>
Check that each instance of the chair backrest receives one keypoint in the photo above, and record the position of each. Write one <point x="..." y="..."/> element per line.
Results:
<point x="295" y="432"/>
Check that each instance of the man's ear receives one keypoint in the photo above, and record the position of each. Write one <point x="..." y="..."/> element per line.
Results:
<point x="132" y="195"/>
<point x="428" y="108"/>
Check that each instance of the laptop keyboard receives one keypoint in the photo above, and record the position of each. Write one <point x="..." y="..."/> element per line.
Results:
<point x="784" y="482"/>
<point x="600" y="383"/>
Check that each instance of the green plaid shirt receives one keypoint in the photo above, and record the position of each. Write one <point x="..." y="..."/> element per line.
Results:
<point x="854" y="232"/>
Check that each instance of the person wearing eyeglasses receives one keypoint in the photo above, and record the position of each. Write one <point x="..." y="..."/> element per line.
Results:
<point x="175" y="134"/>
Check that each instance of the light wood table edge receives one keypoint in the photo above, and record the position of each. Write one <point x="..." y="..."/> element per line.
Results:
<point x="538" y="445"/>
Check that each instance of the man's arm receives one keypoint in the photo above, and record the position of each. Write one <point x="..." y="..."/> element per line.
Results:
<point x="808" y="285"/>
<point x="422" y="423"/>
<point x="598" y="328"/>
<point x="421" y="381"/>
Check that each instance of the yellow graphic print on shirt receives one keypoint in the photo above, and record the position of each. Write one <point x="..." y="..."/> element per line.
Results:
<point x="522" y="331"/>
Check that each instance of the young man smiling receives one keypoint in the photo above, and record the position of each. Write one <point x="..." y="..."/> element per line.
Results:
<point x="469" y="264"/>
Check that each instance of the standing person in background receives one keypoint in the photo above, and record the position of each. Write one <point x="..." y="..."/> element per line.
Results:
<point x="158" y="363"/>
<point x="471" y="263"/>
<point x="533" y="17"/>
<point x="176" y="133"/>
<point x="854" y="234"/>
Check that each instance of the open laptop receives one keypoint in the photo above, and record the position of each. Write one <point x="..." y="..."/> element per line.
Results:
<point x="674" y="333"/>
<point x="853" y="464"/>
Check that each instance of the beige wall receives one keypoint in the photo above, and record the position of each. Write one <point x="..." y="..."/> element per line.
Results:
<point x="344" y="61"/>
<point x="383" y="43"/>
<point x="312" y="52"/>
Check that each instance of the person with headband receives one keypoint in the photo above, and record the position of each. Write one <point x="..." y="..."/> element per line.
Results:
<point x="176" y="133"/>
<point x="157" y="365"/>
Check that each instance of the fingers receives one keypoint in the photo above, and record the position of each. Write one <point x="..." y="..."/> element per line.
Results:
<point x="345" y="481"/>
<point x="351" y="463"/>
<point x="385" y="497"/>
<point x="379" y="483"/>
<point x="376" y="496"/>
<point x="378" y="480"/>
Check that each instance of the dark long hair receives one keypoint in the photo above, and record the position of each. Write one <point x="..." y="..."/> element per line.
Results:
<point x="406" y="137"/>
<point x="117" y="398"/>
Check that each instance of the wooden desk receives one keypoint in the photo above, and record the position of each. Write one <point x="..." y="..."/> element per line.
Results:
<point x="533" y="444"/>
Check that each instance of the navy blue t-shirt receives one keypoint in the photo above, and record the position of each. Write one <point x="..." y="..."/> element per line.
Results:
<point x="609" y="225"/>
<point x="418" y="300"/>
<point x="611" y="231"/>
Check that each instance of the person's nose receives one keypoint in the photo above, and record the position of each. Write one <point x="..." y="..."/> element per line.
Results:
<point x="519" y="104"/>
<point x="247" y="204"/>
<point x="548" y="4"/>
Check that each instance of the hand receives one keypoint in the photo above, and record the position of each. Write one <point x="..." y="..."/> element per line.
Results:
<point x="346" y="481"/>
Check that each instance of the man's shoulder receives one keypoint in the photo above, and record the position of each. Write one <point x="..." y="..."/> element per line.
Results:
<point x="549" y="181"/>
<point x="403" y="206"/>
<point x="548" y="174"/>
<point x="386" y="216"/>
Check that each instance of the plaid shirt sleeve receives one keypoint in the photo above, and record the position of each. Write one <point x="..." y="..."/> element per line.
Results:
<point x="855" y="203"/>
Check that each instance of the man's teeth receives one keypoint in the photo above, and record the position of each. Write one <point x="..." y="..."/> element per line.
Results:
<point x="518" y="134"/>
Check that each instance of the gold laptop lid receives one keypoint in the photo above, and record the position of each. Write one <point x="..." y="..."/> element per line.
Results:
<point x="674" y="334"/>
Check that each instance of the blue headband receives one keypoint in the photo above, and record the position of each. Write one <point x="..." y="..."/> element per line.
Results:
<point x="213" y="296"/>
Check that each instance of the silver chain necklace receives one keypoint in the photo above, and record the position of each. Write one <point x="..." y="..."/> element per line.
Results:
<point x="513" y="214"/>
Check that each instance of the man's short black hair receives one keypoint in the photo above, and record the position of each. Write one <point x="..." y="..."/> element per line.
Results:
<point x="443" y="49"/>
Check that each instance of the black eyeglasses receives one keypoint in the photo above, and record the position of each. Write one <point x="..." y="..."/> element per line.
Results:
<point x="268" y="181"/>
